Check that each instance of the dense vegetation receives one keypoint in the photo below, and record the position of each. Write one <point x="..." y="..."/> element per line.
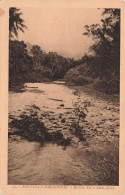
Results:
<point x="35" y="65"/>
<point x="104" y="65"/>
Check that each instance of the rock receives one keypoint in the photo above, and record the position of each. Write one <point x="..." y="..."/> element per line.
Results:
<point x="11" y="117"/>
<point x="68" y="108"/>
<point x="72" y="118"/>
<point x="60" y="115"/>
<point x="68" y="112"/>
<point x="36" y="107"/>
<point x="55" y="123"/>
<point x="52" y="119"/>
<point x="62" y="105"/>
<point x="112" y="130"/>
<point x="63" y="120"/>
<point x="44" y="115"/>
<point x="34" y="114"/>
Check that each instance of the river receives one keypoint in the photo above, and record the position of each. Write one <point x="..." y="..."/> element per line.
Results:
<point x="93" y="160"/>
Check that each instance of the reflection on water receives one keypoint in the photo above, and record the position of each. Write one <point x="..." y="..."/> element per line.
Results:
<point x="55" y="106"/>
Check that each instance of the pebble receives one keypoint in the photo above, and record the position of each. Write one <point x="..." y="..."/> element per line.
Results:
<point x="63" y="120"/>
<point x="62" y="105"/>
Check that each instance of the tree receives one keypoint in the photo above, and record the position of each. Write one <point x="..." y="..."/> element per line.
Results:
<point x="16" y="23"/>
<point x="107" y="43"/>
<point x="20" y="64"/>
<point x="37" y="56"/>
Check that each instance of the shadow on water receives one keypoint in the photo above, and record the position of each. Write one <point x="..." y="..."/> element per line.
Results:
<point x="30" y="128"/>
<point x="17" y="87"/>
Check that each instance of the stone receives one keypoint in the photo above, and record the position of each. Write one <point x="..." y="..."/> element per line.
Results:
<point x="63" y="120"/>
<point x="62" y="105"/>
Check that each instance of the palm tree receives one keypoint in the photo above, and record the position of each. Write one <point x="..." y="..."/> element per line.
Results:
<point x="15" y="22"/>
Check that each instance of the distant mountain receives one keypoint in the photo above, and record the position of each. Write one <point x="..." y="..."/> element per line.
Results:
<point x="29" y="47"/>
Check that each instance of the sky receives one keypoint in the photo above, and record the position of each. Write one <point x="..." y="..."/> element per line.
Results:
<point x="59" y="30"/>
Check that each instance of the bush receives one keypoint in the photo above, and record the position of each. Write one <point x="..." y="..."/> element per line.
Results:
<point x="41" y="75"/>
<point x="108" y="86"/>
<point x="78" y="76"/>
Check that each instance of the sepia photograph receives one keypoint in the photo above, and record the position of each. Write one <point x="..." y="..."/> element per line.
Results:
<point x="64" y="96"/>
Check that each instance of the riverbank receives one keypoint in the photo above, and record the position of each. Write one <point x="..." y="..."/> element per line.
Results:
<point x="92" y="91"/>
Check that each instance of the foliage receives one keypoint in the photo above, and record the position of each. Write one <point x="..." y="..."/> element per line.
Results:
<point x="16" y="23"/>
<point x="81" y="113"/>
<point x="37" y="56"/>
<point x="38" y="66"/>
<point x="21" y="66"/>
<point x="55" y="63"/>
<point x="80" y="75"/>
<point x="107" y="45"/>
<point x="35" y="65"/>
<point x="108" y="86"/>
<point x="40" y="75"/>
<point x="20" y="63"/>
<point x="105" y="63"/>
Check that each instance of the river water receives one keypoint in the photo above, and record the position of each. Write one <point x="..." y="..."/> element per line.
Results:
<point x="90" y="162"/>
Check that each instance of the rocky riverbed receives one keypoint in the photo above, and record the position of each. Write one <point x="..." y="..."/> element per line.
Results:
<point x="63" y="136"/>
